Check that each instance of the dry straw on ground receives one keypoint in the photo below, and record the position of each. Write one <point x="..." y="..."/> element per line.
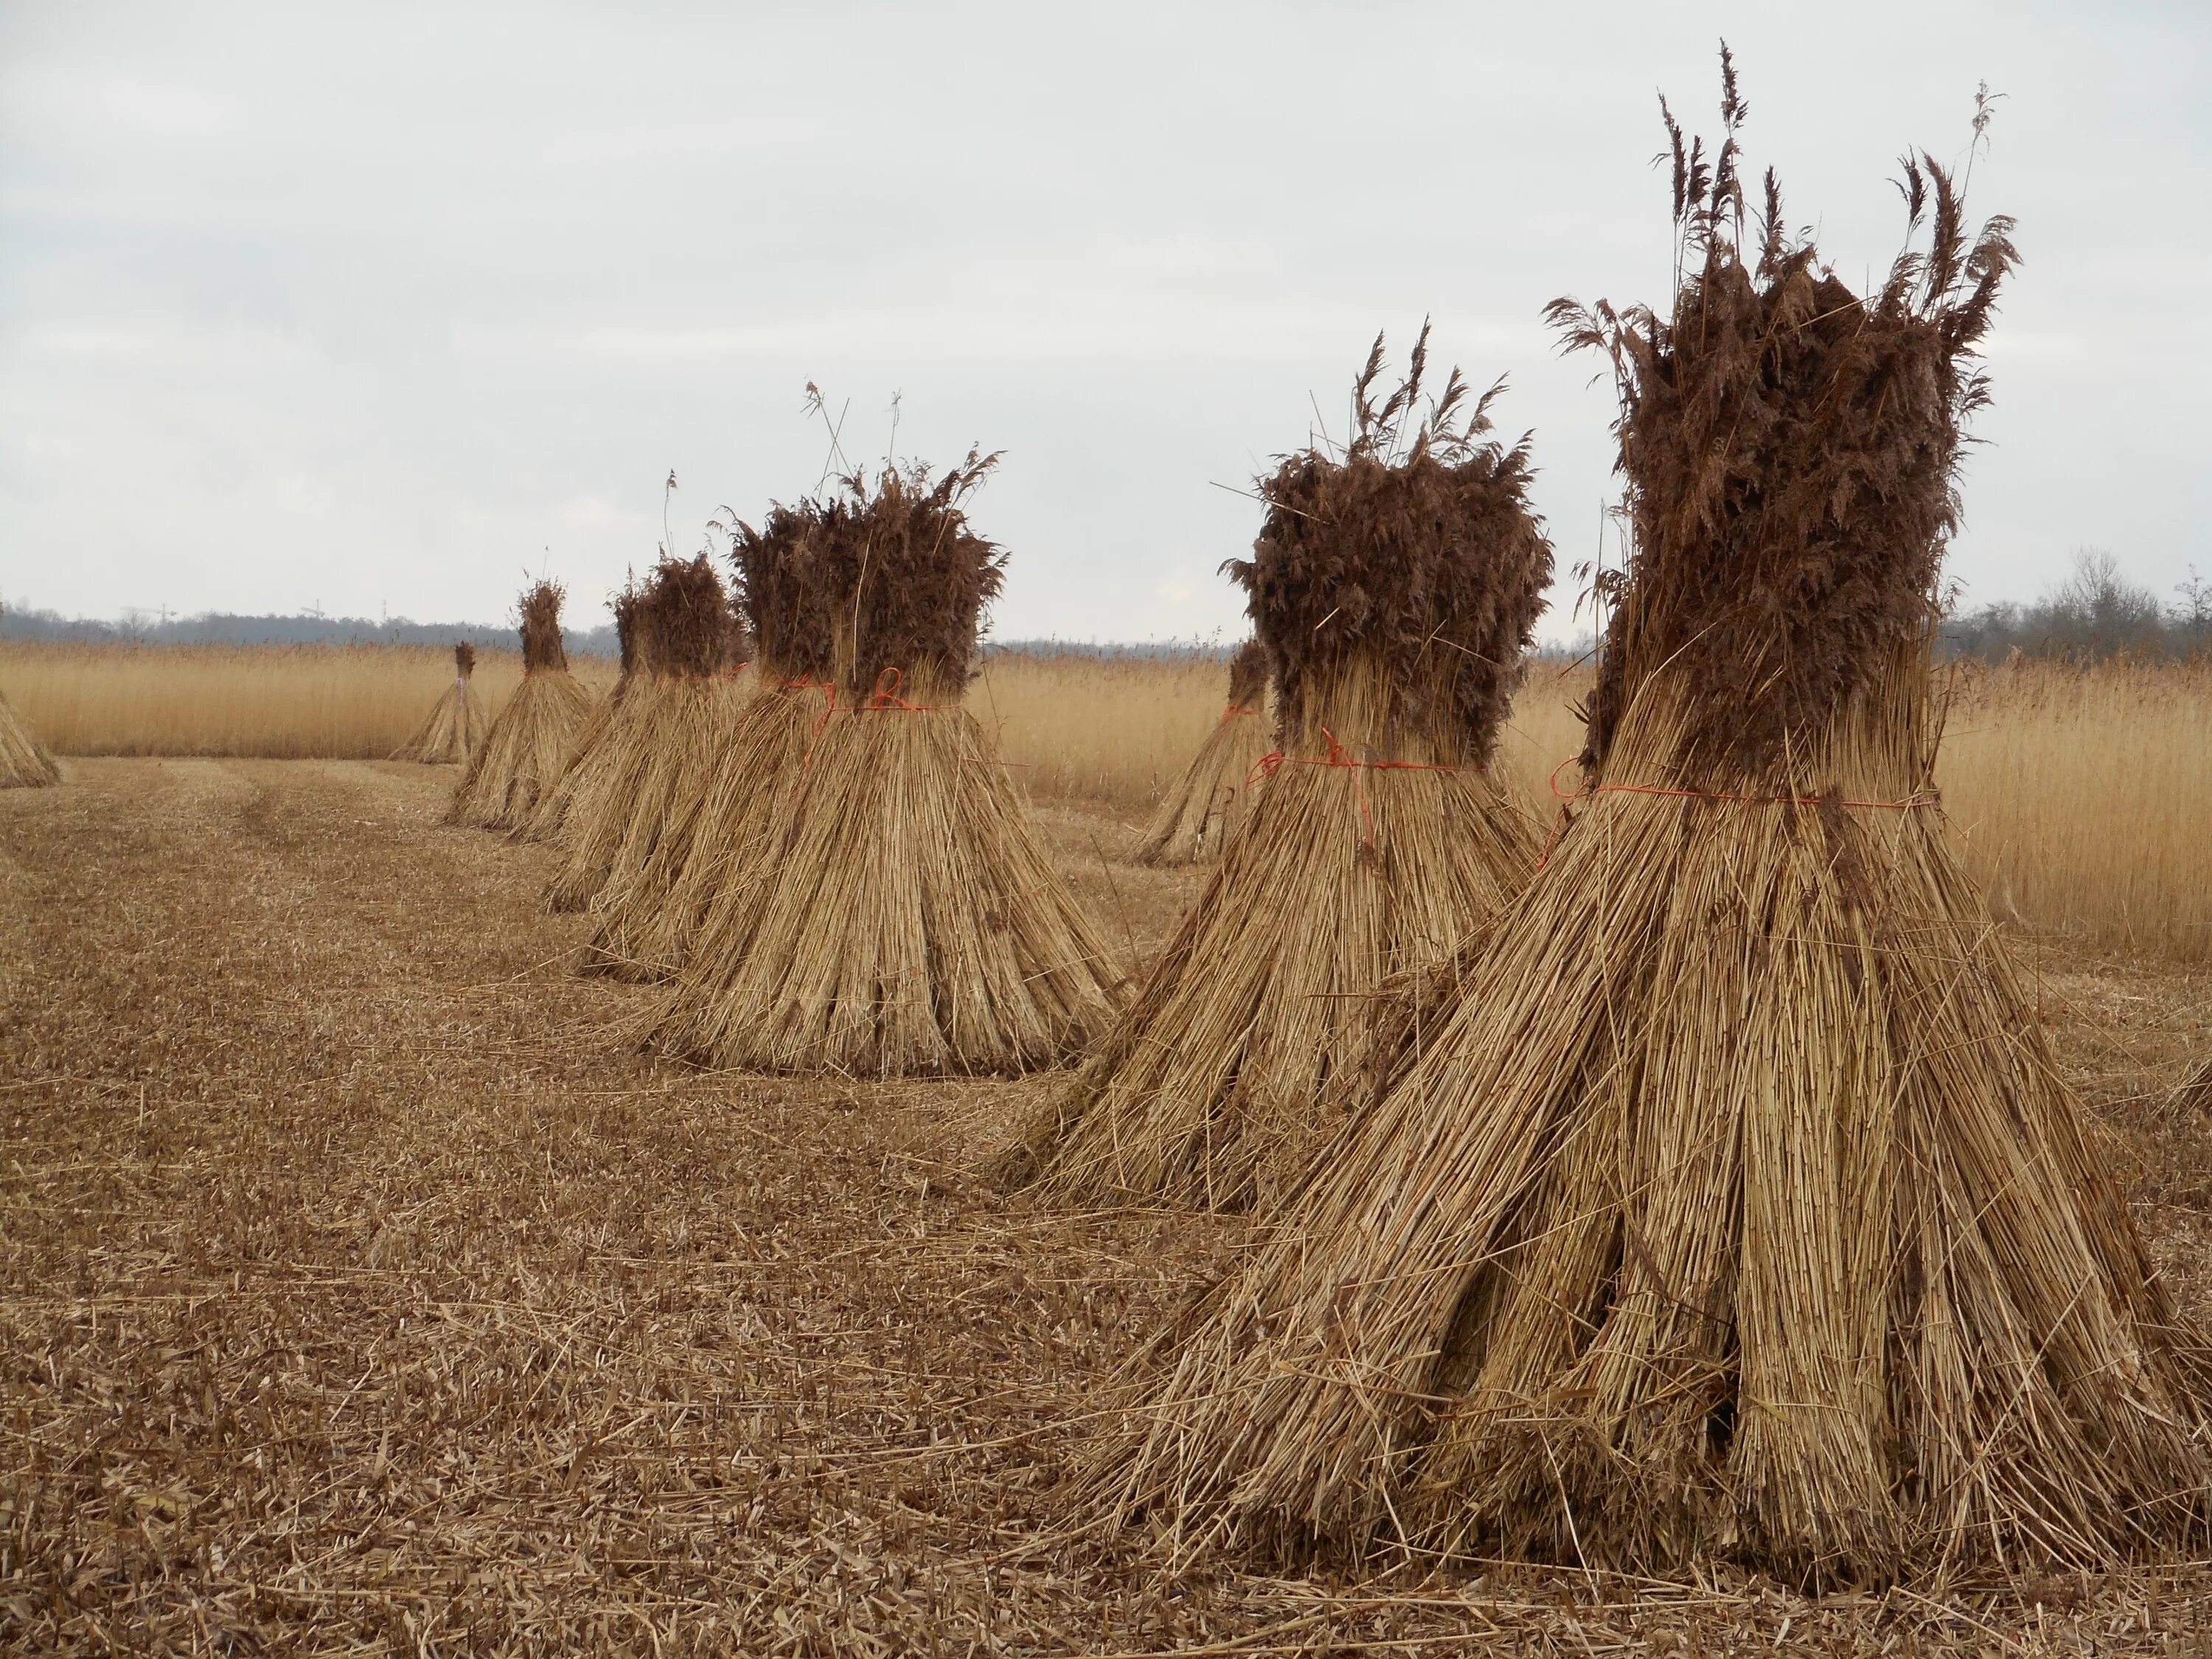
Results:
<point x="1204" y="807"/>
<point x="522" y="757"/>
<point x="1734" y="1209"/>
<point x="454" y="727"/>
<point x="719" y="831"/>
<point x="906" y="920"/>
<point x="1395" y="587"/>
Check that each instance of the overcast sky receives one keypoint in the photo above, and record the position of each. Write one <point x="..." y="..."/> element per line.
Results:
<point x="374" y="307"/>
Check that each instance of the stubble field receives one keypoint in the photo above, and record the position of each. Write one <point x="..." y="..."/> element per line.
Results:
<point x="360" y="1292"/>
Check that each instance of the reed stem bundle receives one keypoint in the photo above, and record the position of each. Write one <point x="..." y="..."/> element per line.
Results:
<point x="719" y="831"/>
<point x="660" y="741"/>
<point x="589" y="750"/>
<point x="25" y="762"/>
<point x="522" y="756"/>
<point x="454" y="728"/>
<point x="1395" y="587"/>
<point x="1205" y="807"/>
<point x="905" y="920"/>
<point x="1733" y="1206"/>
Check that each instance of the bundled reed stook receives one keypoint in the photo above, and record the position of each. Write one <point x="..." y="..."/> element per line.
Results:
<point x="905" y="919"/>
<point x="1395" y="587"/>
<point x="25" y="762"/>
<point x="1734" y="1208"/>
<point x="522" y="756"/>
<point x="589" y="750"/>
<point x="454" y="727"/>
<point x="719" y="832"/>
<point x="658" y="744"/>
<point x="1204" y="806"/>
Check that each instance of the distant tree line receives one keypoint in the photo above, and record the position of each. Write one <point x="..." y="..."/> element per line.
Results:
<point x="224" y="628"/>
<point x="2094" y="613"/>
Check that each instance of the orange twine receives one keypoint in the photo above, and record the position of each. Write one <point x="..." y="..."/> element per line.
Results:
<point x="1565" y="813"/>
<point x="1232" y="711"/>
<point x="884" y="698"/>
<point x="1275" y="760"/>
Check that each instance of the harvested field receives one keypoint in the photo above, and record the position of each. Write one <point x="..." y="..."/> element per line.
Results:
<point x="357" y="1294"/>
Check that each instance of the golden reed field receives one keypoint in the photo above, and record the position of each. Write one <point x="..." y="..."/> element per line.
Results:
<point x="364" y="1290"/>
<point x="2083" y="794"/>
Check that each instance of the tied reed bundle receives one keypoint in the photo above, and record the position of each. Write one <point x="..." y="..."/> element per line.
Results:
<point x="522" y="757"/>
<point x="1204" y="807"/>
<point x="1395" y="587"/>
<point x="25" y="762"/>
<point x="1735" y="1208"/>
<point x="905" y="921"/>
<point x="720" y="831"/>
<point x="454" y="727"/>
<point x="588" y="752"/>
<point x="660" y="743"/>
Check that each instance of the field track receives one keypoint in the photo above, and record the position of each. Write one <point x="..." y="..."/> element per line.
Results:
<point x="359" y="1290"/>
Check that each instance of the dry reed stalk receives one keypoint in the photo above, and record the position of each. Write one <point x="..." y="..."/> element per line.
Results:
<point x="1735" y="1208"/>
<point x="454" y="727"/>
<point x="522" y="755"/>
<point x="660" y="741"/>
<point x="1395" y="588"/>
<point x="1203" y="808"/>
<point x="25" y="762"/>
<point x="720" y="830"/>
<point x="903" y="920"/>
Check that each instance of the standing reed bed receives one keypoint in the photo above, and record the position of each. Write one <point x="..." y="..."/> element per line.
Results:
<point x="274" y="702"/>
<point x="2083" y="793"/>
<point x="2080" y="792"/>
<point x="1115" y="731"/>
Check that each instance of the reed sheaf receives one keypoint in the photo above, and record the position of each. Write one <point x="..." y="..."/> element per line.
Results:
<point x="521" y="757"/>
<point x="592" y="749"/>
<point x="455" y="725"/>
<point x="906" y="920"/>
<point x="1731" y="1206"/>
<point x="1395" y="587"/>
<point x="698" y="875"/>
<point x="1206" y="805"/>
<point x="685" y="688"/>
<point x="25" y="762"/>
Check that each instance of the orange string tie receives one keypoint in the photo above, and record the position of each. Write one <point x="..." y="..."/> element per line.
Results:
<point x="886" y="694"/>
<point x="1232" y="711"/>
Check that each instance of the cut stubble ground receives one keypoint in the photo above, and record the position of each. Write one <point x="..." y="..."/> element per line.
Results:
<point x="358" y="1292"/>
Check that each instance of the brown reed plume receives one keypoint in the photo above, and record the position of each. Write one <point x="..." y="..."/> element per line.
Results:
<point x="659" y="743"/>
<point x="454" y="728"/>
<point x="1204" y="807"/>
<point x="1734" y="1209"/>
<point x="905" y="919"/>
<point x="522" y="755"/>
<point x="719" y="830"/>
<point x="1395" y="587"/>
